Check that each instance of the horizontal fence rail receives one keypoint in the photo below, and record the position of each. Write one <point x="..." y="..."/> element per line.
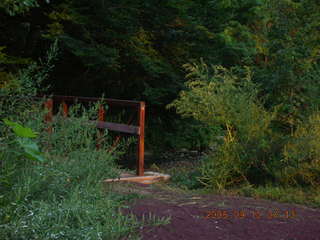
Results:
<point x="110" y="101"/>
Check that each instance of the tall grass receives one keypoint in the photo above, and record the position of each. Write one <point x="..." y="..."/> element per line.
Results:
<point x="62" y="197"/>
<point x="59" y="195"/>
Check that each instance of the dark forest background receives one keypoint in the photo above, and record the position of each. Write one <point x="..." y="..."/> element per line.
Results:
<point x="136" y="50"/>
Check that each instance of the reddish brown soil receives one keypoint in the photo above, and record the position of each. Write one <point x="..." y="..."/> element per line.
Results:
<point x="213" y="217"/>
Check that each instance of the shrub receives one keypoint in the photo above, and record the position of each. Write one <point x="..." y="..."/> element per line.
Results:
<point x="228" y="98"/>
<point x="62" y="197"/>
<point x="51" y="186"/>
<point x="302" y="153"/>
<point x="21" y="110"/>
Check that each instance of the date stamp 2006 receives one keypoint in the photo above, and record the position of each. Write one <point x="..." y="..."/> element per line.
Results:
<point x="256" y="214"/>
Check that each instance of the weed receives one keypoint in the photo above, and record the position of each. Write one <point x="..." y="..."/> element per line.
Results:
<point x="51" y="184"/>
<point x="153" y="220"/>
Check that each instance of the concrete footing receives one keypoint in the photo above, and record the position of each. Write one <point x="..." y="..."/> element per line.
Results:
<point x="148" y="178"/>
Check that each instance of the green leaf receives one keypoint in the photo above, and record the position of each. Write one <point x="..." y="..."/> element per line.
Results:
<point x="31" y="149"/>
<point x="19" y="130"/>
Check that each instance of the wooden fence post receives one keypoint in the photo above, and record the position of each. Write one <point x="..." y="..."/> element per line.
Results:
<point x="101" y="117"/>
<point x="140" y="158"/>
<point x="49" y="116"/>
<point x="65" y="109"/>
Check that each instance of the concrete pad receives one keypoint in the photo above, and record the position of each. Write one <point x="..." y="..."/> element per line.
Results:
<point x="148" y="178"/>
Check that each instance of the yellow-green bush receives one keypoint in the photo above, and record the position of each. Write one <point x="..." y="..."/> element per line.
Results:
<point x="302" y="154"/>
<point x="218" y="96"/>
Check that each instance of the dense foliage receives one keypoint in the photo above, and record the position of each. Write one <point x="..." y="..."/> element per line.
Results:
<point x="51" y="183"/>
<point x="136" y="49"/>
<point x="265" y="91"/>
<point x="253" y="150"/>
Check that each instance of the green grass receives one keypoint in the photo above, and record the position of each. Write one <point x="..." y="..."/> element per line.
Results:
<point x="155" y="221"/>
<point x="51" y="186"/>
<point x="185" y="176"/>
<point x="63" y="196"/>
<point x="185" y="179"/>
<point x="298" y="195"/>
<point x="295" y="195"/>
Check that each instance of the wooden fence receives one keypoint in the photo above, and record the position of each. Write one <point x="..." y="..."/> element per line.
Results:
<point x="101" y="123"/>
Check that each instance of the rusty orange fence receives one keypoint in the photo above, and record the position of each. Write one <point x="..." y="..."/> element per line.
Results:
<point x="101" y="123"/>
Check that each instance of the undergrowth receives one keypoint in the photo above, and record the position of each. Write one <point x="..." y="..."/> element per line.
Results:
<point x="254" y="151"/>
<point x="62" y="196"/>
<point x="51" y="173"/>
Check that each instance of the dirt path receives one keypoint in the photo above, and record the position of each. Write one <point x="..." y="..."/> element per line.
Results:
<point x="213" y="217"/>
